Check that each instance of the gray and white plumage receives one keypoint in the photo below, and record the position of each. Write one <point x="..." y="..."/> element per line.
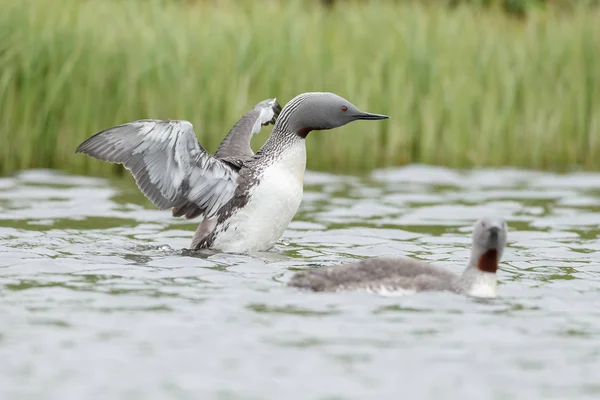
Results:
<point x="246" y="201"/>
<point x="384" y="274"/>
<point x="236" y="145"/>
<point x="169" y="165"/>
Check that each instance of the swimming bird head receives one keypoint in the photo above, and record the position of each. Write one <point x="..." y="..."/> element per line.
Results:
<point x="489" y="239"/>
<point x="319" y="111"/>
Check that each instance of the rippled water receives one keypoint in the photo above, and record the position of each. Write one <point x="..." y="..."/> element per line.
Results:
<point x="99" y="300"/>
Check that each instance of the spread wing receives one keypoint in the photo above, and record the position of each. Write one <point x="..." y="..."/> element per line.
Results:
<point x="169" y="165"/>
<point x="236" y="145"/>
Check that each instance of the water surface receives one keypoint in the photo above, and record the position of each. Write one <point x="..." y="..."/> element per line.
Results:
<point x="100" y="300"/>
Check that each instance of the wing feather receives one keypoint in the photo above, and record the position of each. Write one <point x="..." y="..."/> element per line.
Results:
<point x="169" y="165"/>
<point x="237" y="142"/>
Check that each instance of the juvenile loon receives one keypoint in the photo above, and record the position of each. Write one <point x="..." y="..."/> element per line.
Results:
<point x="398" y="274"/>
<point x="246" y="203"/>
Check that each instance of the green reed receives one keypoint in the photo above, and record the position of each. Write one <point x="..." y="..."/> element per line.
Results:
<point x="464" y="87"/>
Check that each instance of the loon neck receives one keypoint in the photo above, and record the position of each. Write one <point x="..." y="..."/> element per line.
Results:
<point x="279" y="141"/>
<point x="293" y="120"/>
<point x="477" y="283"/>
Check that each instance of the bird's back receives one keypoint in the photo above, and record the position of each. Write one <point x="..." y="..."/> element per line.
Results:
<point x="375" y="274"/>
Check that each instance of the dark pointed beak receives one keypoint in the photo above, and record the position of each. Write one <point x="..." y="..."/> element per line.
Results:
<point x="494" y="231"/>
<point x="369" y="116"/>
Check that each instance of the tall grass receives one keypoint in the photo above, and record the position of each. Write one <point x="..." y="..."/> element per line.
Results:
<point x="463" y="87"/>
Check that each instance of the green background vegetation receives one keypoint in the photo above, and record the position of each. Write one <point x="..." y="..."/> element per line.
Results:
<point x="465" y="84"/>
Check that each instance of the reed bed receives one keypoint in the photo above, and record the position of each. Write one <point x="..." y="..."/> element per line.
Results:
<point x="464" y="87"/>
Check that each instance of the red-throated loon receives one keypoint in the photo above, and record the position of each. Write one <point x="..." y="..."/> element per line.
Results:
<point x="388" y="275"/>
<point x="246" y="202"/>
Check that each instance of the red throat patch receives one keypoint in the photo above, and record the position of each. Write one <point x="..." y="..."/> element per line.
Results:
<point x="303" y="132"/>
<point x="488" y="262"/>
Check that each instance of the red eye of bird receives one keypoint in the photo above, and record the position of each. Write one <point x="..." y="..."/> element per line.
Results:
<point x="344" y="108"/>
